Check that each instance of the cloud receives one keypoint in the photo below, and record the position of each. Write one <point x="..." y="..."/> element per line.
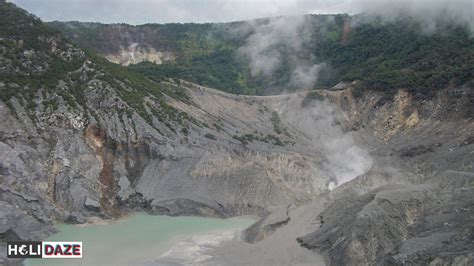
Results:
<point x="280" y="40"/>
<point x="429" y="12"/>
<point x="163" y="11"/>
<point x="264" y="47"/>
<point x="305" y="76"/>
<point x="277" y="41"/>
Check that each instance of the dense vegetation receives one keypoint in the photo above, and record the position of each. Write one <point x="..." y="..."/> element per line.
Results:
<point x="26" y="54"/>
<point x="201" y="58"/>
<point x="387" y="56"/>
<point x="384" y="56"/>
<point x="36" y="60"/>
<point x="105" y="38"/>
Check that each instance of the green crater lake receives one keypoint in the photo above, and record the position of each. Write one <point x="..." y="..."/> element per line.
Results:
<point x="144" y="239"/>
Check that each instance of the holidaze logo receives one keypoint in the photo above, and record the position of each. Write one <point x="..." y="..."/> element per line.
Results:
<point x="24" y="249"/>
<point x="36" y="249"/>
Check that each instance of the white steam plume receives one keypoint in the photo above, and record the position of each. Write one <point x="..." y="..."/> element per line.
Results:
<point x="275" y="39"/>
<point x="305" y="75"/>
<point x="320" y="123"/>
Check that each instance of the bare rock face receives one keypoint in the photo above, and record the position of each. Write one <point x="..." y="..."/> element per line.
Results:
<point x="402" y="225"/>
<point x="135" y="54"/>
<point x="422" y="216"/>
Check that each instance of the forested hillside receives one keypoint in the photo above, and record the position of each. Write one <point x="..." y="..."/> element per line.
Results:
<point x="383" y="55"/>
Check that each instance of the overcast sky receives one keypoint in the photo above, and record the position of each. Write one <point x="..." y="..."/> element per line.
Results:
<point x="162" y="11"/>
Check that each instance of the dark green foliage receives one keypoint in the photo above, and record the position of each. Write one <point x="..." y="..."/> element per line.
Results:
<point x="175" y="91"/>
<point x="19" y="23"/>
<point x="137" y="87"/>
<point x="109" y="38"/>
<point x="383" y="56"/>
<point x="311" y="96"/>
<point x="21" y="32"/>
<point x="247" y="138"/>
<point x="204" y="55"/>
<point x="389" y="56"/>
<point x="210" y="136"/>
<point x="216" y="70"/>
<point x="276" y="122"/>
<point x="39" y="58"/>
<point x="218" y="127"/>
<point x="277" y="126"/>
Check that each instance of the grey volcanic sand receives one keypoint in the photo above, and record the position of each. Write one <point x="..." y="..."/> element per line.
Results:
<point x="279" y="248"/>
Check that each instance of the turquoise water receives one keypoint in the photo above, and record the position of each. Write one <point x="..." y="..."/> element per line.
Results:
<point x="136" y="239"/>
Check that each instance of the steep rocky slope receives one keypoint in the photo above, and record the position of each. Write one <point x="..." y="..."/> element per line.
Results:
<point x="80" y="137"/>
<point x="414" y="205"/>
<point x="427" y="217"/>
